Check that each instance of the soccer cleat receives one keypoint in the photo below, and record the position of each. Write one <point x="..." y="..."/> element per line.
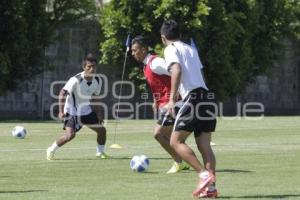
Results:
<point x="209" y="194"/>
<point x="177" y="167"/>
<point x="102" y="155"/>
<point x="184" y="166"/>
<point x="206" y="178"/>
<point x="174" y="169"/>
<point x="50" y="154"/>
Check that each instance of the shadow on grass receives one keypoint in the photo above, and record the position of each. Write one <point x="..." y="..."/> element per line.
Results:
<point x="91" y="159"/>
<point x="233" y="171"/>
<point x="274" y="196"/>
<point x="21" y="191"/>
<point x="112" y="158"/>
<point x="150" y="172"/>
<point x="156" y="158"/>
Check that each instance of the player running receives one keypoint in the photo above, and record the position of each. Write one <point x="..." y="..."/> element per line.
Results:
<point x="78" y="106"/>
<point x="158" y="78"/>
<point x="197" y="113"/>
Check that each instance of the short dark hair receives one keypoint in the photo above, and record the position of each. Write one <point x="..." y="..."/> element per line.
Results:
<point x="170" y="30"/>
<point x="140" y="40"/>
<point x="88" y="58"/>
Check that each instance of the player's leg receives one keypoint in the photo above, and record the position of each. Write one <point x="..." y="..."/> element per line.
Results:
<point x="183" y="126"/>
<point x="66" y="137"/>
<point x="162" y="134"/>
<point x="177" y="141"/>
<point x="101" y="141"/>
<point x="204" y="146"/>
<point x="206" y="178"/>
<point x="206" y="124"/>
<point x="185" y="123"/>
<point x="92" y="122"/>
<point x="69" y="134"/>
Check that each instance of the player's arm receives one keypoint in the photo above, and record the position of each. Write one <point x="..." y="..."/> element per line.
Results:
<point x="175" y="70"/>
<point x="66" y="90"/>
<point x="173" y="66"/>
<point x="61" y="102"/>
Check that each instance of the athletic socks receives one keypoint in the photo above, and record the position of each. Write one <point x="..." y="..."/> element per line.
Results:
<point x="100" y="148"/>
<point x="53" y="147"/>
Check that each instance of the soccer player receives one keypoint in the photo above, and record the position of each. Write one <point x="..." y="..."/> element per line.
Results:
<point x="197" y="113"/>
<point x="159" y="80"/>
<point x="79" y="105"/>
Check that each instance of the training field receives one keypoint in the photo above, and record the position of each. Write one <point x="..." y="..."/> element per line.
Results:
<point x="255" y="160"/>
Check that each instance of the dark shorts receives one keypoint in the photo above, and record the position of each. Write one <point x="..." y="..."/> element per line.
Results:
<point x="198" y="113"/>
<point x="76" y="122"/>
<point x="164" y="119"/>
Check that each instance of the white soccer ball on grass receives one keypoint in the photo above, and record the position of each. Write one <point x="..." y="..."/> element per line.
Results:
<point x="139" y="163"/>
<point x="19" y="132"/>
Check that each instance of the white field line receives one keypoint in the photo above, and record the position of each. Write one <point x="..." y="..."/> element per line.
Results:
<point x="77" y="148"/>
<point x="38" y="149"/>
<point x="156" y="145"/>
<point x="120" y="130"/>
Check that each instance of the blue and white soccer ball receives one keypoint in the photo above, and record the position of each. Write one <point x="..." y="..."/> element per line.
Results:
<point x="139" y="163"/>
<point x="19" y="132"/>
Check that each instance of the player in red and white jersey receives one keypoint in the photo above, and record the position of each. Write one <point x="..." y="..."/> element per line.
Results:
<point x="158" y="78"/>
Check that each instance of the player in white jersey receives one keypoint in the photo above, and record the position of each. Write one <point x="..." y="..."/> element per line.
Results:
<point x="197" y="113"/>
<point x="79" y="105"/>
<point x="158" y="79"/>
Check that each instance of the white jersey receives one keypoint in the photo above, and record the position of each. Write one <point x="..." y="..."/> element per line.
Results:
<point x="188" y="58"/>
<point x="79" y="95"/>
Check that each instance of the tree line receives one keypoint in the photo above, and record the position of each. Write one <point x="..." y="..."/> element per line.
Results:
<point x="237" y="40"/>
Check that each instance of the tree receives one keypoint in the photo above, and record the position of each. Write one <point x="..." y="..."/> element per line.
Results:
<point x="27" y="27"/>
<point x="237" y="40"/>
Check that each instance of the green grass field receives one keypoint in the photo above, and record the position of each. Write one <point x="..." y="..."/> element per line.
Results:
<point x="255" y="160"/>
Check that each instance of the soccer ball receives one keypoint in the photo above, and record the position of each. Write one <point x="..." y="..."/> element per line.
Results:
<point x="139" y="163"/>
<point x="19" y="132"/>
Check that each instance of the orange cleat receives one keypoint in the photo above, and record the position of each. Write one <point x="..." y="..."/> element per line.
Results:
<point x="205" y="179"/>
<point x="209" y="194"/>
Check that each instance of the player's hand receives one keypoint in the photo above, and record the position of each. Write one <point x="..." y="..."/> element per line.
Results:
<point x="171" y="108"/>
<point x="61" y="115"/>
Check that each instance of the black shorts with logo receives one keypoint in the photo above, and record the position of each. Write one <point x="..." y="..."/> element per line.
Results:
<point x="198" y="113"/>
<point x="76" y="122"/>
<point x="165" y="119"/>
